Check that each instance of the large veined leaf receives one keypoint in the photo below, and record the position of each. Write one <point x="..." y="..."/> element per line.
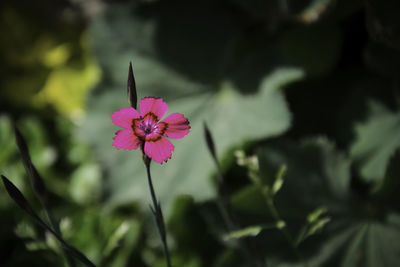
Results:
<point x="363" y="229"/>
<point x="233" y="116"/>
<point x="317" y="175"/>
<point x="377" y="140"/>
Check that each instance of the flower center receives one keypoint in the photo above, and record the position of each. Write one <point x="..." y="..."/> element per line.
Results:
<point x="147" y="126"/>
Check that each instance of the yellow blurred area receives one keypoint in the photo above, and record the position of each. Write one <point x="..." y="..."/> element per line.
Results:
<point x="67" y="85"/>
<point x="57" y="56"/>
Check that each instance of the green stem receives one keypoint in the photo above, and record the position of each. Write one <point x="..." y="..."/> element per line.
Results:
<point x="225" y="208"/>
<point x="288" y="236"/>
<point x="56" y="228"/>
<point x="157" y="212"/>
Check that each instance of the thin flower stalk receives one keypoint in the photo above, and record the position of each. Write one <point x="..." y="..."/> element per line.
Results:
<point x="144" y="129"/>
<point x="157" y="212"/>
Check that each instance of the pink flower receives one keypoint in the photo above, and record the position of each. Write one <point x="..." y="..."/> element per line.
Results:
<point x="147" y="129"/>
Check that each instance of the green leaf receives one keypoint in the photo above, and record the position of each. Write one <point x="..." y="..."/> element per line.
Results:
<point x="377" y="140"/>
<point x="226" y="108"/>
<point x="362" y="231"/>
<point x="318" y="225"/>
<point x="313" y="10"/>
<point x="279" y="180"/>
<point x="245" y="232"/>
<point x="116" y="237"/>
<point x="315" y="215"/>
<point x="365" y="243"/>
<point x="253" y="230"/>
<point x="21" y="201"/>
<point x="314" y="169"/>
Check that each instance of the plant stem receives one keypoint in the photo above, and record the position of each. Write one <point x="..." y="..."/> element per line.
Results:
<point x="288" y="236"/>
<point x="225" y="210"/>
<point x="56" y="228"/>
<point x="157" y="212"/>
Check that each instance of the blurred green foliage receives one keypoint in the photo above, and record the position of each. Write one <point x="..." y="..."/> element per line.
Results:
<point x="311" y="85"/>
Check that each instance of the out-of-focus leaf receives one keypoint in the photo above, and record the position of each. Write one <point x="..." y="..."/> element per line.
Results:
<point x="316" y="175"/>
<point x="67" y="85"/>
<point x="10" y="162"/>
<point x="21" y="201"/>
<point x="116" y="237"/>
<point x="220" y="103"/>
<point x="187" y="218"/>
<point x="313" y="224"/>
<point x="313" y="10"/>
<point x="252" y="231"/>
<point x="25" y="230"/>
<point x="122" y="252"/>
<point x="360" y="231"/>
<point x="377" y="140"/>
<point x="85" y="184"/>
<point x="318" y="225"/>
<point x="34" y="41"/>
<point x="248" y="231"/>
<point x="366" y="243"/>
<point x="279" y="179"/>
<point x="315" y="215"/>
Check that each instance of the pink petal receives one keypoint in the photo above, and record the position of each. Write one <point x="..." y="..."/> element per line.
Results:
<point x="153" y="105"/>
<point x="159" y="150"/>
<point x="123" y="118"/>
<point x="126" y="139"/>
<point x="177" y="126"/>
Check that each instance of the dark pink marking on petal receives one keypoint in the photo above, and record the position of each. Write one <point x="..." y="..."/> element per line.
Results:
<point x="159" y="150"/>
<point x="177" y="126"/>
<point x="154" y="105"/>
<point x="123" y="118"/>
<point x="138" y="129"/>
<point x="126" y="139"/>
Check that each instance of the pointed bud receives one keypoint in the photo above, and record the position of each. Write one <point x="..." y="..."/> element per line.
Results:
<point x="209" y="141"/>
<point x="131" y="88"/>
<point x="36" y="180"/>
<point x="17" y="196"/>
